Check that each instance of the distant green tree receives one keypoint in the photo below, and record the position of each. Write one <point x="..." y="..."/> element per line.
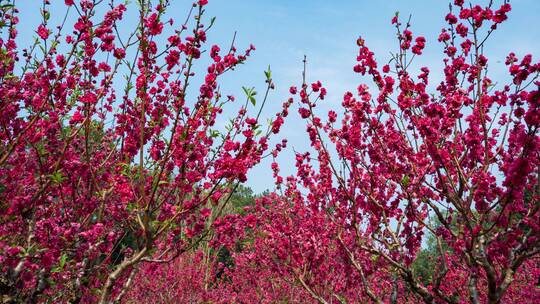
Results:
<point x="242" y="197"/>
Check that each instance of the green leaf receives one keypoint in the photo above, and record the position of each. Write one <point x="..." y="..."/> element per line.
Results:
<point x="54" y="44"/>
<point x="74" y="96"/>
<point x="246" y="91"/>
<point x="61" y="265"/>
<point x="63" y="260"/>
<point x="250" y="93"/>
<point x="6" y="6"/>
<point x="125" y="169"/>
<point x="268" y="74"/>
<point x="46" y="15"/>
<point x="57" y="177"/>
<point x="405" y="181"/>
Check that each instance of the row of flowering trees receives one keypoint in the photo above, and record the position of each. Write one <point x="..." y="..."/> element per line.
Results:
<point x="466" y="155"/>
<point x="106" y="161"/>
<point x="118" y="184"/>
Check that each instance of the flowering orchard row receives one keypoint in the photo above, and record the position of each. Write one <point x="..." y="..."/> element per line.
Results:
<point x="118" y="184"/>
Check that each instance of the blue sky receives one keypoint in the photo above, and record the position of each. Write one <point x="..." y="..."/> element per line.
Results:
<point x="326" y="31"/>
